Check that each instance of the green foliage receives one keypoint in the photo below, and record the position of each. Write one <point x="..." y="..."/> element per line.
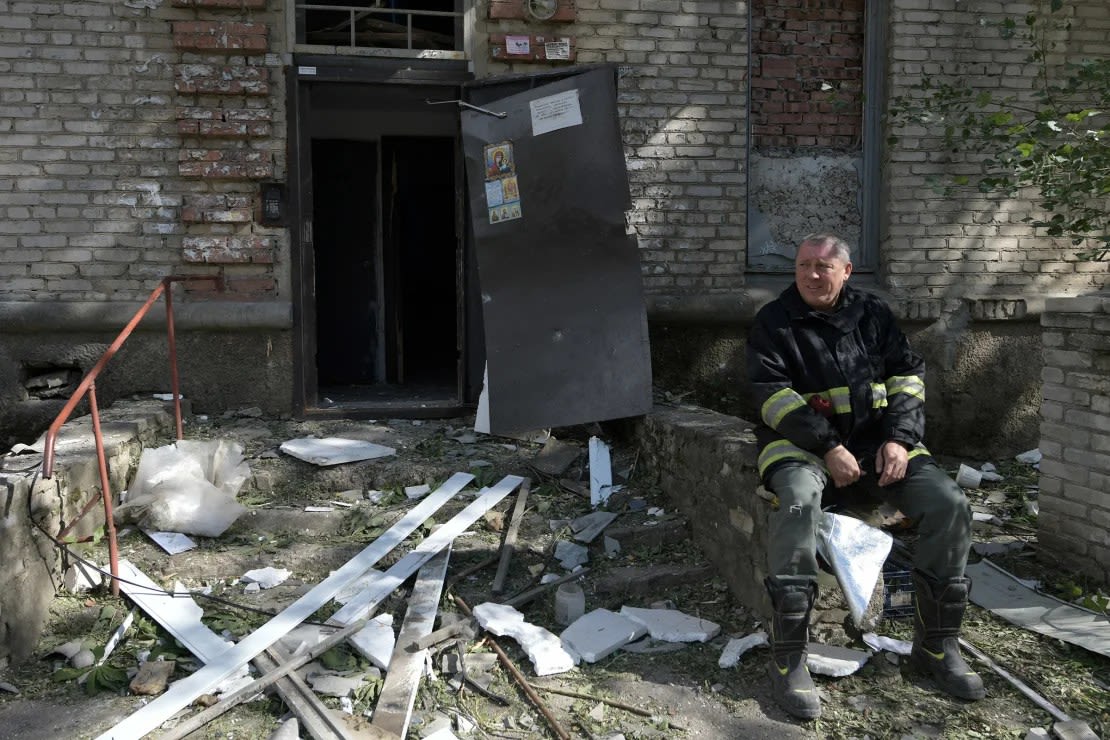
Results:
<point x="1057" y="143"/>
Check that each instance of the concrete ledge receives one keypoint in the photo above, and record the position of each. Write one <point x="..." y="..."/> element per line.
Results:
<point x="32" y="316"/>
<point x="32" y="565"/>
<point x="706" y="464"/>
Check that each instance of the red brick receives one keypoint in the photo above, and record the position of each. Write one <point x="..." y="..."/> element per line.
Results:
<point x="251" y="286"/>
<point x="220" y="36"/>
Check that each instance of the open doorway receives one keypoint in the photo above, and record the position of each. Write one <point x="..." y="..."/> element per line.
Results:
<point x="386" y="296"/>
<point x="382" y="262"/>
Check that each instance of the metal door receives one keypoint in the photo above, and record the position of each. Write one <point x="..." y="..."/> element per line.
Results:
<point x="562" y="297"/>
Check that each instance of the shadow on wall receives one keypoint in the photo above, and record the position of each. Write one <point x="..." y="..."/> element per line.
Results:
<point x="983" y="380"/>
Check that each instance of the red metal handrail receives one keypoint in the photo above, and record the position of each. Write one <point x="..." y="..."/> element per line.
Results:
<point x="88" y="386"/>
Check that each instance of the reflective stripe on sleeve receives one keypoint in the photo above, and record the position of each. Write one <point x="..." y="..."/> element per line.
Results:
<point x="911" y="385"/>
<point x="779" y="405"/>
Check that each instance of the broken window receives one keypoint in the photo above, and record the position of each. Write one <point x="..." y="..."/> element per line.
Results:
<point x="390" y="25"/>
<point x="809" y="168"/>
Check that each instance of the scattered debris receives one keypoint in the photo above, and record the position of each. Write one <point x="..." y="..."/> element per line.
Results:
<point x="182" y="693"/>
<point x="570" y="555"/>
<point x="587" y="528"/>
<point x="601" y="472"/>
<point x="81" y="577"/>
<point x="672" y="625"/>
<point x="600" y="633"/>
<point x="737" y="646"/>
<point x="172" y="542"/>
<point x="334" y="450"/>
<point x="1005" y="596"/>
<point x="542" y="647"/>
<point x="1030" y="457"/>
<point x="832" y="660"/>
<point x="393" y="712"/>
<point x="152" y="677"/>
<point x="1065" y="726"/>
<point x="267" y="577"/>
<point x="968" y="477"/>
<point x="508" y="542"/>
<point x="555" y="457"/>
<point x="417" y="491"/>
<point x="889" y="644"/>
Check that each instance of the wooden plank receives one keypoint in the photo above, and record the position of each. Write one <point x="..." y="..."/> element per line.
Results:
<point x="393" y="712"/>
<point x="245" y="693"/>
<point x="381" y="588"/>
<point x="508" y="545"/>
<point x="315" y="718"/>
<point x="180" y="615"/>
<point x="183" y="692"/>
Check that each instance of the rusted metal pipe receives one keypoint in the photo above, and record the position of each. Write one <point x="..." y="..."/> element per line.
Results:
<point x="90" y="377"/>
<point x="105" y="491"/>
<point x="171" y="339"/>
<point x="87" y="386"/>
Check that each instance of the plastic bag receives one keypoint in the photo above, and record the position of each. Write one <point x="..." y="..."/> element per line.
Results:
<point x="856" y="551"/>
<point x="187" y="487"/>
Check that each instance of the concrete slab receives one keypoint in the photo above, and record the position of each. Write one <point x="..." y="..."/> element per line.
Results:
<point x="672" y="625"/>
<point x="543" y="648"/>
<point x="831" y="660"/>
<point x="587" y="528"/>
<point x="737" y="646"/>
<point x="571" y="555"/>
<point x="599" y="633"/>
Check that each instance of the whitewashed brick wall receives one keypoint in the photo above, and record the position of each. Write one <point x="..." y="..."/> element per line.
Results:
<point x="972" y="246"/>
<point x="1074" y="521"/>
<point x="90" y="192"/>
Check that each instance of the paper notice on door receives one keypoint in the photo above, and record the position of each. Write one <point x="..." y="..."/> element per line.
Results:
<point x="555" y="112"/>
<point x="557" y="50"/>
<point x="519" y="45"/>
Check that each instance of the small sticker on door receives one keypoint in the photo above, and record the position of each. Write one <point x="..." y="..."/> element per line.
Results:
<point x="502" y="190"/>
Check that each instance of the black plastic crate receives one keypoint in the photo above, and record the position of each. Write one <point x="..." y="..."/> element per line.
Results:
<point x="898" y="599"/>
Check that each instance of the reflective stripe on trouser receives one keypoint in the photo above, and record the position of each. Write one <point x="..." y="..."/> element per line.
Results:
<point x="929" y="498"/>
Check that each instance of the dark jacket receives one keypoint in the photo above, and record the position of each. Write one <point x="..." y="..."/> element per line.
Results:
<point x="824" y="379"/>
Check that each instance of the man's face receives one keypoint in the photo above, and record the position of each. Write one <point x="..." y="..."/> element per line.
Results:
<point x="820" y="275"/>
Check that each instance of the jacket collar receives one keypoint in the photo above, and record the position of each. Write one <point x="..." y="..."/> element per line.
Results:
<point x="845" y="316"/>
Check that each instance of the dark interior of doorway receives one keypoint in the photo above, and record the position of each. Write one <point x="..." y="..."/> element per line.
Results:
<point x="386" y="255"/>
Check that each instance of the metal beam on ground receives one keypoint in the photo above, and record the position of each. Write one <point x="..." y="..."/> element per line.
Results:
<point x="184" y="692"/>
<point x="393" y="712"/>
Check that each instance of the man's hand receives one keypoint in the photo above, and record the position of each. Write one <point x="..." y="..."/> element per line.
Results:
<point x="891" y="462"/>
<point x="843" y="466"/>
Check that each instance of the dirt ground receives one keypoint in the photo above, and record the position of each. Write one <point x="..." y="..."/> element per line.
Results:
<point x="676" y="691"/>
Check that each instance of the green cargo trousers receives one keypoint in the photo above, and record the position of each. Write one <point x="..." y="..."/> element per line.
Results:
<point x="929" y="498"/>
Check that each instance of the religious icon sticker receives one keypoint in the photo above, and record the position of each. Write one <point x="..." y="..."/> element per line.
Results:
<point x="502" y="191"/>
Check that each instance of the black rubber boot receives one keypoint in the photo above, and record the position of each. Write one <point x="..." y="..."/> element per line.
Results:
<point x="937" y="619"/>
<point x="791" y="683"/>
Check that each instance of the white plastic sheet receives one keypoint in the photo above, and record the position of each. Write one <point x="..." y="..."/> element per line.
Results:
<point x="188" y="487"/>
<point x="856" y="551"/>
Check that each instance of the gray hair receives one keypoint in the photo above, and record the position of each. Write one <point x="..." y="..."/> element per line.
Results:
<point x="841" y="247"/>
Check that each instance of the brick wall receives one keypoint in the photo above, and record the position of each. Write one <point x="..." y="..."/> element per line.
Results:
<point x="1074" y="520"/>
<point x="971" y="246"/>
<point x="807" y="74"/>
<point x="683" y="107"/>
<point x="132" y="137"/>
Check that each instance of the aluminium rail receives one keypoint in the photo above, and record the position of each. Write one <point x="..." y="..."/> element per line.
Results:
<point x="88" y="387"/>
